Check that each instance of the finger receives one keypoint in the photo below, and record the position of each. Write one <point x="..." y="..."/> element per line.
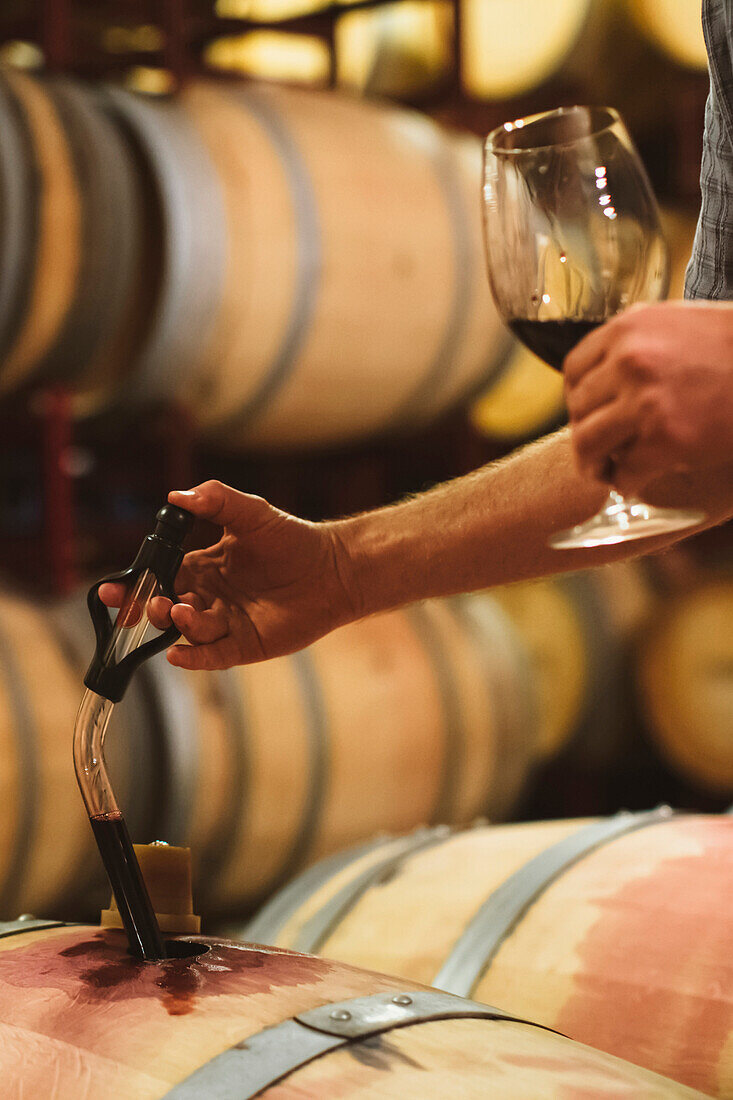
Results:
<point x="636" y="467"/>
<point x="113" y="595"/>
<point x="185" y="579"/>
<point x="594" y="390"/>
<point x="599" y="436"/>
<point x="587" y="353"/>
<point x="222" y="505"/>
<point x="194" y="599"/>
<point x="188" y="580"/>
<point x="199" y="627"/>
<point x="642" y="463"/>
<point x="224" y="653"/>
<point x="195" y="564"/>
<point x="159" y="612"/>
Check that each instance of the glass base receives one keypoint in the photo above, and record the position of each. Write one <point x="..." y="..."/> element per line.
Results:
<point x="621" y="520"/>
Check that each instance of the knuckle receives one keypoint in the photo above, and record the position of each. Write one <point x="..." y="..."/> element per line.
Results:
<point x="626" y="322"/>
<point x="630" y="362"/>
<point x="215" y="489"/>
<point x="663" y="422"/>
<point x="649" y="416"/>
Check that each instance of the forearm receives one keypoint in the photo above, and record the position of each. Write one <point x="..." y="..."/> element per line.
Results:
<point x="492" y="526"/>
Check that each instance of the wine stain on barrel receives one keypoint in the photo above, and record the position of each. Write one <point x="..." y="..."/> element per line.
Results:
<point x="99" y="969"/>
<point x="654" y="978"/>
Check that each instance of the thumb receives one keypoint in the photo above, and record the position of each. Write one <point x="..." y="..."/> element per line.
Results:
<point x="222" y="505"/>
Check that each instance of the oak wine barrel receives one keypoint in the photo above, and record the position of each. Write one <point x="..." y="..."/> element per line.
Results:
<point x="684" y="676"/>
<point x="17" y="190"/>
<point x="41" y="863"/>
<point x="509" y="47"/>
<point x="422" y="715"/>
<point x="417" y="717"/>
<point x="524" y="401"/>
<point x="579" y="631"/>
<point x="72" y="230"/>
<point x="90" y="354"/>
<point x="615" y="931"/>
<point x="302" y="268"/>
<point x="355" y="300"/>
<point x="675" y="28"/>
<point x="237" y="1021"/>
<point x="49" y="270"/>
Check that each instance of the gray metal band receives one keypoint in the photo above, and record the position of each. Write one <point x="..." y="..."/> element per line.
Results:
<point x="504" y="908"/>
<point x="596" y="733"/>
<point x="106" y="269"/>
<point x="318" y="767"/>
<point x="266" y="926"/>
<point x="225" y="839"/>
<point x="429" y="636"/>
<point x="316" y="931"/>
<point x="194" y="241"/>
<point x="423" y="394"/>
<point x="29" y="924"/>
<point x="260" y="1061"/>
<point x="308" y="261"/>
<point x="506" y="669"/>
<point x="20" y="186"/>
<point x="177" y="722"/>
<point x="26" y="790"/>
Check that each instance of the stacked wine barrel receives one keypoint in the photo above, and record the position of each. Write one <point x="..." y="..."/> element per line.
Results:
<point x="298" y="268"/>
<point x="579" y="631"/>
<point x="614" y="931"/>
<point x="684" y="678"/>
<point x="436" y="714"/>
<point x="417" y="717"/>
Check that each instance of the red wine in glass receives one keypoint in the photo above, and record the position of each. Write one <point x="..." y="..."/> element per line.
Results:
<point x="551" y="340"/>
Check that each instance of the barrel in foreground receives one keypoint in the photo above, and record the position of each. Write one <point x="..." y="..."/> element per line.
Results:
<point x="614" y="931"/>
<point x="237" y="1021"/>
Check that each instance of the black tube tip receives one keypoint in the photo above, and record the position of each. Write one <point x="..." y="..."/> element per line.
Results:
<point x="173" y="524"/>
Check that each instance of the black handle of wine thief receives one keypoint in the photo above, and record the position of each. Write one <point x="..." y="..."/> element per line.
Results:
<point x="161" y="554"/>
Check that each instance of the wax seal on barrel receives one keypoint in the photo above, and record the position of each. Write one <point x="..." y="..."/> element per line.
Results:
<point x="167" y="873"/>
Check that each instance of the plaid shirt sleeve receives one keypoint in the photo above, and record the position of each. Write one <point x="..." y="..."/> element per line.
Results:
<point x="710" y="271"/>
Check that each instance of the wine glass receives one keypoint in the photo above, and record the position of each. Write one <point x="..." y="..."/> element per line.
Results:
<point x="572" y="238"/>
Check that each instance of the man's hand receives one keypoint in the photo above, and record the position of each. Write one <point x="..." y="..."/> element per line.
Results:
<point x="271" y="584"/>
<point x="651" y="392"/>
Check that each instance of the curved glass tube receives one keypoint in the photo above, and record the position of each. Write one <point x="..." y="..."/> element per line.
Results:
<point x="95" y="711"/>
<point x="107" y="821"/>
<point x="92" y="720"/>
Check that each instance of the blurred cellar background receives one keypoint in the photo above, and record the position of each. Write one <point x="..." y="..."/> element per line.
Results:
<point x="242" y="240"/>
